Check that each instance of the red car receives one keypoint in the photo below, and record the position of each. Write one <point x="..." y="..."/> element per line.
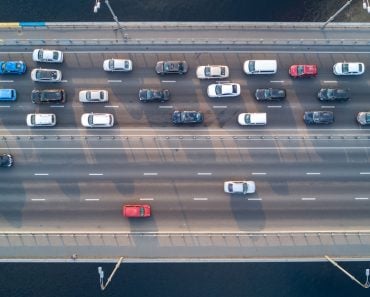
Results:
<point x="303" y="71"/>
<point x="136" y="211"/>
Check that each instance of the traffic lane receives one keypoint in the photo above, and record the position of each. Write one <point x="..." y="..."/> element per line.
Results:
<point x="232" y="214"/>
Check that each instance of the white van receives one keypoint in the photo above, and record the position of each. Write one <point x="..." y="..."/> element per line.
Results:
<point x="252" y="119"/>
<point x="260" y="66"/>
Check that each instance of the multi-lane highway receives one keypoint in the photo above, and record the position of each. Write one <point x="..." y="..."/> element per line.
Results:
<point x="72" y="179"/>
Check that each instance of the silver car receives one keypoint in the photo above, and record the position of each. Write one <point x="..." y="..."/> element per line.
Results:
<point x="88" y="96"/>
<point x="97" y="120"/>
<point x="46" y="75"/>
<point x="239" y="187"/>
<point x="41" y="119"/>
<point x="47" y="56"/>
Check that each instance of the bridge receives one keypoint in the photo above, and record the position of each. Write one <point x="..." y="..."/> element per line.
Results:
<point x="64" y="194"/>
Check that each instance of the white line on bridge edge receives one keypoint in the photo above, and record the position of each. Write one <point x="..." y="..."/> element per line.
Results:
<point x="254" y="199"/>
<point x="97" y="174"/>
<point x="114" y="80"/>
<point x="204" y="173"/>
<point x="258" y="173"/>
<point x="308" y="198"/>
<point x="146" y="199"/>
<point x="199" y="199"/>
<point x="92" y="199"/>
<point x="313" y="173"/>
<point x="38" y="199"/>
<point x="41" y="174"/>
<point x="361" y="198"/>
<point x="150" y="173"/>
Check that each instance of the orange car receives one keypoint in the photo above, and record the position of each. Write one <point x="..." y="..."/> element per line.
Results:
<point x="136" y="211"/>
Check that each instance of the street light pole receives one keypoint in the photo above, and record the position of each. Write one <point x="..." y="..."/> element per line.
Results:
<point x="115" y="18"/>
<point x="366" y="285"/>
<point x="101" y="275"/>
<point x="335" y="14"/>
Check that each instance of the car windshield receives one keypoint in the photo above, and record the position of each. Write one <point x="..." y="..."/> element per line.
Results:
<point x="142" y="211"/>
<point x="247" y="118"/>
<point x="367" y="117"/>
<point x="3" y="67"/>
<point x="55" y="55"/>
<point x="207" y="71"/>
<point x="111" y="64"/>
<point x="252" y="66"/>
<point x="245" y="187"/>
<point x="300" y="69"/>
<point x="268" y="93"/>
<point x="230" y="187"/>
<point x="345" y="67"/>
<point x="218" y="89"/>
<point x="40" y="54"/>
<point x="126" y="64"/>
<point x="330" y="93"/>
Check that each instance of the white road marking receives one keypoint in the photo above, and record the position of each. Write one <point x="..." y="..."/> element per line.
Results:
<point x="38" y="199"/>
<point x="327" y="106"/>
<point x="64" y="80"/>
<point x="273" y="106"/>
<point x="92" y="199"/>
<point x="219" y="106"/>
<point x="6" y="81"/>
<point x="165" y="106"/>
<point x="313" y="173"/>
<point x="114" y="80"/>
<point x="258" y="173"/>
<point x="150" y="173"/>
<point x="56" y="105"/>
<point x="169" y="81"/>
<point x="199" y="199"/>
<point x="361" y="198"/>
<point x="5" y="106"/>
<point x="95" y="174"/>
<point x="38" y="174"/>
<point x="276" y="81"/>
<point x="204" y="173"/>
<point x="363" y="173"/>
<point x="255" y="199"/>
<point x="308" y="198"/>
<point x="111" y="106"/>
<point x="330" y="81"/>
<point x="146" y="199"/>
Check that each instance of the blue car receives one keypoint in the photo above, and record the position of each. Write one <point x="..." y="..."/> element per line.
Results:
<point x="8" y="95"/>
<point x="12" y="67"/>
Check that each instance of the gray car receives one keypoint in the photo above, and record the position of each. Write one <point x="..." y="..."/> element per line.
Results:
<point x="169" y="67"/>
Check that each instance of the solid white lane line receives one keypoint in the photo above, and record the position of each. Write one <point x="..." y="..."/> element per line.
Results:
<point x="361" y="198"/>
<point x="56" y="105"/>
<point x="7" y="81"/>
<point x="219" y="106"/>
<point x="150" y="173"/>
<point x="95" y="174"/>
<point x="92" y="199"/>
<point x="330" y="81"/>
<point x="273" y="106"/>
<point x="114" y="80"/>
<point x="165" y="106"/>
<point x="41" y="174"/>
<point x="308" y="198"/>
<point x="276" y="81"/>
<point x="364" y="173"/>
<point x="169" y="81"/>
<point x="313" y="173"/>
<point x="255" y="199"/>
<point x="38" y="199"/>
<point x="146" y="199"/>
<point x="327" y="106"/>
<point x="258" y="173"/>
<point x="111" y="106"/>
<point x="200" y="198"/>
<point x="204" y="173"/>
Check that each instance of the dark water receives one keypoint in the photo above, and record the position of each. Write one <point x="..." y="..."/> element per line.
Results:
<point x="157" y="10"/>
<point x="184" y="280"/>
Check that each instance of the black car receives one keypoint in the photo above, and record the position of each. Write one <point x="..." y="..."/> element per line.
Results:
<point x="154" y="95"/>
<point x="48" y="96"/>
<point x="270" y="94"/>
<point x="333" y="95"/>
<point x="187" y="117"/>
<point x="6" y="160"/>
<point x="318" y="117"/>
<point x="168" y="67"/>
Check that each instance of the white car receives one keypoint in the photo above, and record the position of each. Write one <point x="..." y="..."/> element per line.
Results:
<point x="93" y="96"/>
<point x="239" y="187"/>
<point x="41" y="119"/>
<point x="212" y="71"/>
<point x="47" y="56"/>
<point x="46" y="75"/>
<point x="117" y="65"/>
<point x="349" y="68"/>
<point x="97" y="120"/>
<point x="223" y="89"/>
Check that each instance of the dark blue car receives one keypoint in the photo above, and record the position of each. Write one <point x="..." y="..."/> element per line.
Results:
<point x="187" y="117"/>
<point x="12" y="67"/>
